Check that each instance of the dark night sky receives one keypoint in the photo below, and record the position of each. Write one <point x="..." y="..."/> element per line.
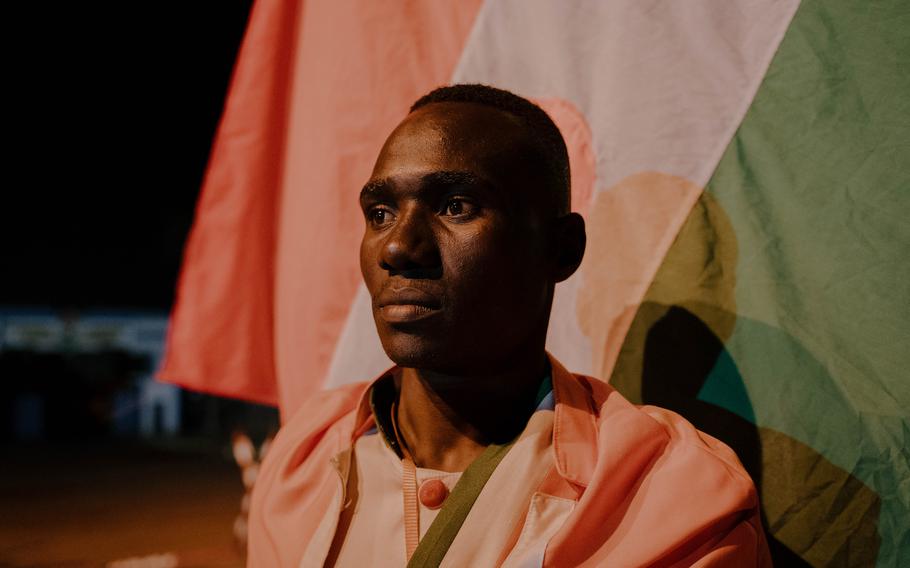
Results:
<point x="111" y="120"/>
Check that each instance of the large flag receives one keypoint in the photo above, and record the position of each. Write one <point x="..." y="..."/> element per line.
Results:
<point x="744" y="170"/>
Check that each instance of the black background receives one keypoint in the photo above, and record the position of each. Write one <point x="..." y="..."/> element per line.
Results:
<point x="109" y="122"/>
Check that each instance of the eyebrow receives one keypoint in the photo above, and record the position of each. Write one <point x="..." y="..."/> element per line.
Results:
<point x="374" y="187"/>
<point x="377" y="187"/>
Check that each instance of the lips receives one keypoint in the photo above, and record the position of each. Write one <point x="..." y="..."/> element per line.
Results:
<point x="407" y="304"/>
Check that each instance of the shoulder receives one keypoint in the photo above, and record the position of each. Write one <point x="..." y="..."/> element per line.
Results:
<point x="683" y="437"/>
<point x="669" y="441"/>
<point x="668" y="492"/>
<point x="700" y="504"/>
<point x="323" y="412"/>
<point x="296" y="473"/>
<point x="323" y="408"/>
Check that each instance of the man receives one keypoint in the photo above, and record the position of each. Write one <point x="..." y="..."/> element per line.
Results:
<point x="478" y="448"/>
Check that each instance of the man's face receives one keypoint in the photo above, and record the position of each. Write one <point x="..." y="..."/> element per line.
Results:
<point x="454" y="253"/>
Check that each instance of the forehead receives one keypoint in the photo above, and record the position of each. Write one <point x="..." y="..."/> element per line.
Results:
<point x="453" y="137"/>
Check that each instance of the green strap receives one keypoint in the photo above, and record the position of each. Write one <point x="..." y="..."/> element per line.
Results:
<point x="436" y="542"/>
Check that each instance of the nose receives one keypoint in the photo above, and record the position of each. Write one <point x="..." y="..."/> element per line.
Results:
<point x="410" y="246"/>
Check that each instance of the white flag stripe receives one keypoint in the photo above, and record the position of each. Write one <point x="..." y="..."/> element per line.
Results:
<point x="663" y="87"/>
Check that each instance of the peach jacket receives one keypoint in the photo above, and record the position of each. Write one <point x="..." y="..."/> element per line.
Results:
<point x="648" y="488"/>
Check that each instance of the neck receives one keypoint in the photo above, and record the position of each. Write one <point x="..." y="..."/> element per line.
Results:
<point x="446" y="421"/>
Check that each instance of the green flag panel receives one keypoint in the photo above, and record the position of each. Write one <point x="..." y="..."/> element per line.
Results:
<point x="779" y="321"/>
<point x="816" y="183"/>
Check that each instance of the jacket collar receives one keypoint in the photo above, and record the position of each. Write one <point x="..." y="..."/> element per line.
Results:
<point x="574" y="426"/>
<point x="574" y="423"/>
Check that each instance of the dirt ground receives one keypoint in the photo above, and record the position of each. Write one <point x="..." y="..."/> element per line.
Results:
<point x="93" y="504"/>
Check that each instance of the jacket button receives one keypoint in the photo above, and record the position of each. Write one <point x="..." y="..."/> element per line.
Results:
<point x="432" y="493"/>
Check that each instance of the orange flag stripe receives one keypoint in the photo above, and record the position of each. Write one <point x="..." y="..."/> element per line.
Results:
<point x="317" y="87"/>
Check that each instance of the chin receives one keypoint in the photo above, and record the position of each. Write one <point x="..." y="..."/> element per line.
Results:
<point x="407" y="350"/>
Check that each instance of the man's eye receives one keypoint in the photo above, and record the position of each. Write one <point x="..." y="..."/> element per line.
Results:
<point x="379" y="217"/>
<point x="458" y="207"/>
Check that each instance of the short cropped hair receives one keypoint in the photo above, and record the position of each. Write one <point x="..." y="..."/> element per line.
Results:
<point x="546" y="142"/>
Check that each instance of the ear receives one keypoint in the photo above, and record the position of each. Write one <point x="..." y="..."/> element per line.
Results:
<point x="569" y="239"/>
